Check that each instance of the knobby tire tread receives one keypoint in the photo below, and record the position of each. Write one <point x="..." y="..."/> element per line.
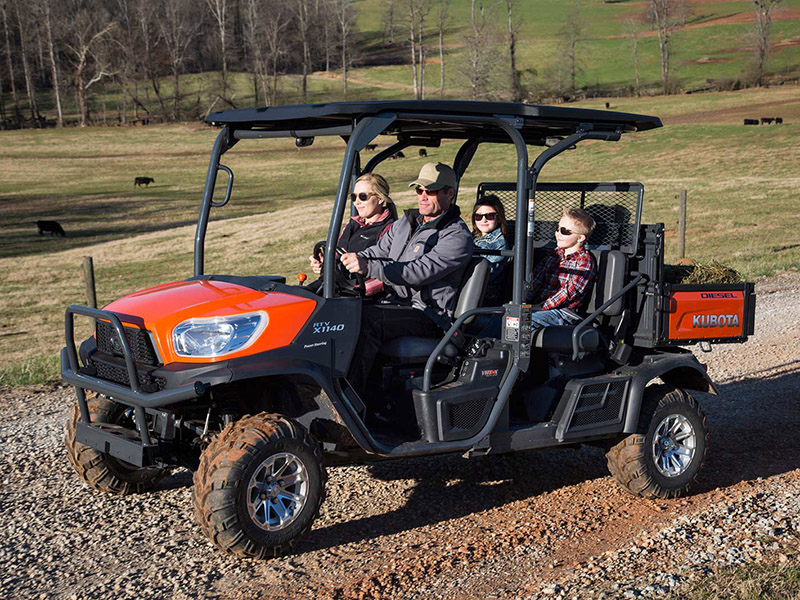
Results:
<point x="221" y="470"/>
<point x="628" y="461"/>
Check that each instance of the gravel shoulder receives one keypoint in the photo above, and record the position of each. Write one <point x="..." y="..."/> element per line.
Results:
<point x="533" y="525"/>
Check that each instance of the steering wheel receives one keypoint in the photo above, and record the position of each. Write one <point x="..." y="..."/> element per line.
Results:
<point x="345" y="282"/>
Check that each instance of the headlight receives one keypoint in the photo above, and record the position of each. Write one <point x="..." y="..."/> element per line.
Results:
<point x="218" y="336"/>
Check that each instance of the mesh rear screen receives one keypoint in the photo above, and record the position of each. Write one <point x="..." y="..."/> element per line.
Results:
<point x="615" y="207"/>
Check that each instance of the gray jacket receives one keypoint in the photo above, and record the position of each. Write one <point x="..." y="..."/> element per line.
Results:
<point x="422" y="265"/>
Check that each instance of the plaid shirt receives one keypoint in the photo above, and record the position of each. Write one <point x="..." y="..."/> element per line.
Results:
<point x="562" y="281"/>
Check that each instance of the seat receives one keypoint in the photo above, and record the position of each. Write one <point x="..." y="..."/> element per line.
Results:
<point x="413" y="349"/>
<point x="611" y="269"/>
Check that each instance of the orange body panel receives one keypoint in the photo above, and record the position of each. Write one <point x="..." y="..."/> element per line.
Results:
<point x="706" y="315"/>
<point x="164" y="307"/>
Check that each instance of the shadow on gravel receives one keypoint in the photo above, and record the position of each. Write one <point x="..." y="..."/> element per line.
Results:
<point x="449" y="487"/>
<point x="754" y="427"/>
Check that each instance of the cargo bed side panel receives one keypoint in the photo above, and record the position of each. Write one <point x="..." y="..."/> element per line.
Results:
<point x="719" y="313"/>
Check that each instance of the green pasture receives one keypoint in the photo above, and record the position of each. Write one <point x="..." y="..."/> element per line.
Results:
<point x="741" y="184"/>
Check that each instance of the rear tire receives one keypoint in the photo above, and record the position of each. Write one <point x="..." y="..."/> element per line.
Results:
<point x="102" y="471"/>
<point x="259" y="486"/>
<point x="664" y="457"/>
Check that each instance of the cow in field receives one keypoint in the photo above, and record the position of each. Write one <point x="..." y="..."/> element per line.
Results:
<point x="751" y="121"/>
<point x="423" y="152"/>
<point x="143" y="181"/>
<point x="767" y="120"/>
<point x="51" y="227"/>
<point x="370" y="147"/>
<point x="397" y="155"/>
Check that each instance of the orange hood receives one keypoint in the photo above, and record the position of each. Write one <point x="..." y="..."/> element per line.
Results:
<point x="160" y="309"/>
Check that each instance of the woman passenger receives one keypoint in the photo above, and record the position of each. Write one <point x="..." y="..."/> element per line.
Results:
<point x="489" y="229"/>
<point x="376" y="213"/>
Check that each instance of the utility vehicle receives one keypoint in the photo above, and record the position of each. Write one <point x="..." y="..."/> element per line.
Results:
<point x="243" y="379"/>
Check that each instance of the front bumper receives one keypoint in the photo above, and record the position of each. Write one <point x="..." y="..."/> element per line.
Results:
<point x="135" y="447"/>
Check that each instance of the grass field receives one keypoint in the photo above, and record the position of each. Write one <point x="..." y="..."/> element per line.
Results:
<point x="741" y="182"/>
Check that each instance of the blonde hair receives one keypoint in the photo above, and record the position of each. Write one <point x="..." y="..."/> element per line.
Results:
<point x="380" y="187"/>
<point x="582" y="219"/>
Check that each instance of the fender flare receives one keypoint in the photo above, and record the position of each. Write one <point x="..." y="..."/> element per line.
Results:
<point x="680" y="370"/>
<point x="332" y="407"/>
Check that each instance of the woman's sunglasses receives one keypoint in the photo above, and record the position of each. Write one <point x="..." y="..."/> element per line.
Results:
<point x="487" y="216"/>
<point x="362" y="196"/>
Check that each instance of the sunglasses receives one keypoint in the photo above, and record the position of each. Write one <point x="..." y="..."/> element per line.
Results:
<point x="419" y="191"/>
<point x="362" y="196"/>
<point x="565" y="231"/>
<point x="487" y="216"/>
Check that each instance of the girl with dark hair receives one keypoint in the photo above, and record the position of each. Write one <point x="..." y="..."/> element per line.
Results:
<point x="489" y="230"/>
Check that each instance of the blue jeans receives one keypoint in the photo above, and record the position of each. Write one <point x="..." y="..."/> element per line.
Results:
<point x="491" y="324"/>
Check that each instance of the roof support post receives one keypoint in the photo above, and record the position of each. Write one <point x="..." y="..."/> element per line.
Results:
<point x="222" y="144"/>
<point x="363" y="133"/>
<point x="584" y="132"/>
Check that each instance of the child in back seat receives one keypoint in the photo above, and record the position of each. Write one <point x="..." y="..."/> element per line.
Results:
<point x="563" y="279"/>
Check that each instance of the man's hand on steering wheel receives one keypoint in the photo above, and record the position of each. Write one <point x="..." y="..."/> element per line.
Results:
<point x="354" y="263"/>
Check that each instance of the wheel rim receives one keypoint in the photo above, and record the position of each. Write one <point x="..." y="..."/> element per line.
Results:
<point x="674" y="444"/>
<point x="278" y="491"/>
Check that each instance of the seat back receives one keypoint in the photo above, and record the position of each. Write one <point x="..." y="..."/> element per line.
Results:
<point x="473" y="287"/>
<point x="611" y="269"/>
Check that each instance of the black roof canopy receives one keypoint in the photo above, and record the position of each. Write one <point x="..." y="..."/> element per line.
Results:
<point x="453" y="119"/>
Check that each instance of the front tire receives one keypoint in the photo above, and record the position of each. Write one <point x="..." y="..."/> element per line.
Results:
<point x="665" y="456"/>
<point x="102" y="471"/>
<point x="259" y="486"/>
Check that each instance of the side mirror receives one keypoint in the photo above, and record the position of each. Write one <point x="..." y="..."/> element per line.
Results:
<point x="302" y="142"/>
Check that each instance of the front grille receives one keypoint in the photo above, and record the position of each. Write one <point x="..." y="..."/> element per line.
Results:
<point x="119" y="374"/>
<point x="138" y="339"/>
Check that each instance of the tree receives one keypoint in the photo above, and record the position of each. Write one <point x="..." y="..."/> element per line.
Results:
<point x="633" y="30"/>
<point x="344" y="16"/>
<point x="441" y="22"/>
<point x="661" y="15"/>
<point x="23" y="15"/>
<point x="513" y="27"/>
<point x="90" y="29"/>
<point x="481" y="55"/>
<point x="570" y="35"/>
<point x="178" y="30"/>
<point x="422" y="11"/>
<point x="764" y="10"/>
<point x="219" y="10"/>
<point x="275" y="31"/>
<point x="412" y="37"/>
<point x="301" y="11"/>
<point x="388" y="22"/>
<point x="4" y="8"/>
<point x="46" y="17"/>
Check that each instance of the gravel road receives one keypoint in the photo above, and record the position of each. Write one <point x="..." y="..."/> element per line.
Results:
<point x="535" y="525"/>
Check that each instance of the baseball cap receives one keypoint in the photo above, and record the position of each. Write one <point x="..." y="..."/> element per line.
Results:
<point x="435" y="176"/>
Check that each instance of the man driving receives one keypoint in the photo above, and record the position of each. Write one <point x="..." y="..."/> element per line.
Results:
<point x="421" y="261"/>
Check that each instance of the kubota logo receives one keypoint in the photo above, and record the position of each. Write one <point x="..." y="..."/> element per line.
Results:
<point x="715" y="320"/>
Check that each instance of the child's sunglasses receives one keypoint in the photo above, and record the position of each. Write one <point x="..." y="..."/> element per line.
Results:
<point x="487" y="216"/>
<point x="565" y="231"/>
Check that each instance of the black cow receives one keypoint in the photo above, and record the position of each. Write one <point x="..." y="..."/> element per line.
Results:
<point x="370" y="147"/>
<point x="52" y="227"/>
<point x="423" y="152"/>
<point x="778" y="120"/>
<point x="143" y="181"/>
<point x="767" y="120"/>
<point x="751" y="121"/>
<point x="397" y="155"/>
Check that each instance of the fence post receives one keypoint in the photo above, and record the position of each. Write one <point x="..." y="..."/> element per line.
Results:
<point x="682" y="226"/>
<point x="88" y="278"/>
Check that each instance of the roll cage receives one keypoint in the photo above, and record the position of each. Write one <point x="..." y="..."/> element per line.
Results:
<point x="418" y="123"/>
